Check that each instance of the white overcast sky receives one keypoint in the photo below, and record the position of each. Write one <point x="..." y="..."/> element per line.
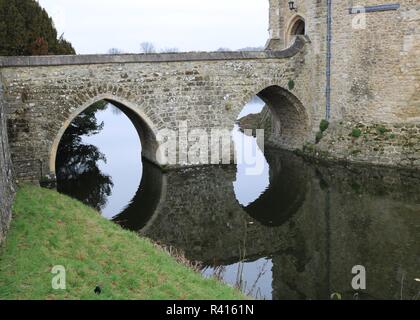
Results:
<point x="94" y="26"/>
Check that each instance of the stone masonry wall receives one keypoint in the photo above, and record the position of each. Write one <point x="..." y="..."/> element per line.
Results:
<point x="6" y="181"/>
<point x="375" y="71"/>
<point x="396" y="144"/>
<point x="375" y="77"/>
<point x="375" y="65"/>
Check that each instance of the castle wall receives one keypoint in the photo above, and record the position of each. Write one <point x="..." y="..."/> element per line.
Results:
<point x="375" y="77"/>
<point x="6" y="181"/>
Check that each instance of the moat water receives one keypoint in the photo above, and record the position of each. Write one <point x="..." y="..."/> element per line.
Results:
<point x="294" y="231"/>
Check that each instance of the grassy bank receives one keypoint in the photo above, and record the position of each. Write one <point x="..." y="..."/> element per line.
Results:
<point x="50" y="229"/>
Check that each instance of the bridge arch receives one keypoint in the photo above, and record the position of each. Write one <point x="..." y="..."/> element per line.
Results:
<point x="290" y="120"/>
<point x="145" y="127"/>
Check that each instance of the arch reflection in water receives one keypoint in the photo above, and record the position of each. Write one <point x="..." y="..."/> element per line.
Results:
<point x="201" y="203"/>
<point x="275" y="193"/>
<point x="285" y="194"/>
<point x="141" y="208"/>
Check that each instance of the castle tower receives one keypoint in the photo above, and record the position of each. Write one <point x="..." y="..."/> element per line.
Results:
<point x="275" y="40"/>
<point x="284" y="24"/>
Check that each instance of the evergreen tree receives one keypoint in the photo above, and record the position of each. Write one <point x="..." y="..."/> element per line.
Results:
<point x="27" y="29"/>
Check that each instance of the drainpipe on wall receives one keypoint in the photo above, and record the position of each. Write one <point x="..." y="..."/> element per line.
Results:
<point x="328" y="66"/>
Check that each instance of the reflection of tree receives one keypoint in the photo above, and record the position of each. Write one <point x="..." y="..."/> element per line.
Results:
<point x="78" y="174"/>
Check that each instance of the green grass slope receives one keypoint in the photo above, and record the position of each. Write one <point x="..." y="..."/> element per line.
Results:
<point x="50" y="229"/>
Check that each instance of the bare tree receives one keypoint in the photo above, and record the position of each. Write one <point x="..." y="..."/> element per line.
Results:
<point x="115" y="51"/>
<point x="251" y="49"/>
<point x="147" y="47"/>
<point x="170" y="50"/>
<point x="223" y="49"/>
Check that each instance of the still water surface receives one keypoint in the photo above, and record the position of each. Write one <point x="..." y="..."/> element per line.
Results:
<point x="295" y="231"/>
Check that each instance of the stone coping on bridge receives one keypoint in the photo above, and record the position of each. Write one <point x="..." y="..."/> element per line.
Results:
<point x="30" y="61"/>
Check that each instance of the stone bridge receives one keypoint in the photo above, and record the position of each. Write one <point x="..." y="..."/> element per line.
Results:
<point x="156" y="91"/>
<point x="317" y="65"/>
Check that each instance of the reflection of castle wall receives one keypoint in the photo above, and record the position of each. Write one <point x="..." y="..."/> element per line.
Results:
<point x="300" y="271"/>
<point x="376" y="227"/>
<point x="337" y="226"/>
<point x="379" y="234"/>
<point x="379" y="228"/>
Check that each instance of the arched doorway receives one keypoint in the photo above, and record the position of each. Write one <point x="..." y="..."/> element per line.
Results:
<point x="296" y="27"/>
